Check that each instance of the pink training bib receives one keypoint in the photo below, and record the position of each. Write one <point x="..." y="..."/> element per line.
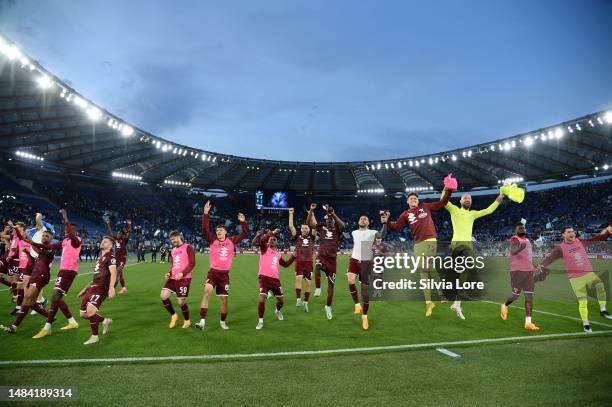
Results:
<point x="70" y="255"/>
<point x="575" y="257"/>
<point x="269" y="263"/>
<point x="180" y="260"/>
<point x="522" y="261"/>
<point x="23" y="256"/>
<point x="221" y="254"/>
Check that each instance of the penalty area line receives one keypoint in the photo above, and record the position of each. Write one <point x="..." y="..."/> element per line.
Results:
<point x="428" y="345"/>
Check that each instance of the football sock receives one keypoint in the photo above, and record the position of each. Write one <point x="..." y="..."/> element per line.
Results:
<point x="185" y="310"/>
<point x="261" y="307"/>
<point x="223" y="316"/>
<point x="168" y="306"/>
<point x="21" y="314"/>
<point x="20" y="293"/>
<point x="279" y="304"/>
<point x="38" y="308"/>
<point x="353" y="291"/>
<point x="203" y="313"/>
<point x="306" y="296"/>
<point x="298" y="293"/>
<point x="64" y="307"/>
<point x="584" y="311"/>
<point x="601" y="296"/>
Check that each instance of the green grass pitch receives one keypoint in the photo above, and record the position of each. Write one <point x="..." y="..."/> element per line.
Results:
<point x="508" y="372"/>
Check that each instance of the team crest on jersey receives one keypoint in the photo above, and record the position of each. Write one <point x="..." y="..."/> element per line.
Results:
<point x="223" y="252"/>
<point x="411" y="217"/>
<point x="329" y="234"/>
<point x="305" y="241"/>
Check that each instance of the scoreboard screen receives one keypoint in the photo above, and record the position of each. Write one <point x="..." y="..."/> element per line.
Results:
<point x="271" y="200"/>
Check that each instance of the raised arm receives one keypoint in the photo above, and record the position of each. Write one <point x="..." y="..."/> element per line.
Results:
<point x="490" y="209"/>
<point x="48" y="246"/>
<point x="598" y="238"/>
<point x="436" y="206"/>
<point x="340" y="224"/>
<point x="263" y="242"/>
<point x="206" y="222"/>
<point x="291" y="225"/>
<point x="109" y="228"/>
<point x="39" y="221"/>
<point x="399" y="223"/>
<point x="74" y="240"/>
<point x="384" y="219"/>
<point x="311" y="220"/>
<point x="129" y="229"/>
<point x="255" y="240"/>
<point x="245" y="230"/>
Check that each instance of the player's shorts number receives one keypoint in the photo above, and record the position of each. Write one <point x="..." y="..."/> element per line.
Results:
<point x="183" y="290"/>
<point x="58" y="282"/>
<point x="94" y="298"/>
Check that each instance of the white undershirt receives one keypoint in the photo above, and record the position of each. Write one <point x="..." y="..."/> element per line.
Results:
<point x="363" y="239"/>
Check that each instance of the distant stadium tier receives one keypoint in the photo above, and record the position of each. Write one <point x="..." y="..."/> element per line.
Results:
<point x="46" y="124"/>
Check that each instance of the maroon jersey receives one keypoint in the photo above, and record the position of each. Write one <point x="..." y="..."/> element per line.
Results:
<point x="328" y="240"/>
<point x="121" y="249"/>
<point x="419" y="219"/>
<point x="101" y="276"/>
<point x="42" y="264"/>
<point x="304" y="247"/>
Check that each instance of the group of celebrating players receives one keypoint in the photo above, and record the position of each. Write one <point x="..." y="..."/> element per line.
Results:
<point x="27" y="265"/>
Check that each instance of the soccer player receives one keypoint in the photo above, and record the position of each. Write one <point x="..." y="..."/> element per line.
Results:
<point x="463" y="218"/>
<point x="521" y="274"/>
<point x="329" y="236"/>
<point x="269" y="280"/>
<point x="101" y="287"/>
<point x="419" y="219"/>
<point x="580" y="271"/>
<point x="178" y="279"/>
<point x="304" y="249"/>
<point x="360" y="263"/>
<point x="41" y="273"/>
<point x="35" y="234"/>
<point x="68" y="269"/>
<point x="21" y="250"/>
<point x="9" y="264"/>
<point x="222" y="249"/>
<point x="121" y="252"/>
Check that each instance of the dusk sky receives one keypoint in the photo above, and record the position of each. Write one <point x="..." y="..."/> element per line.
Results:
<point x="326" y="80"/>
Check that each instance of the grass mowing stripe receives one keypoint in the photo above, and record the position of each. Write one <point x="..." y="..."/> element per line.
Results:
<point x="552" y="314"/>
<point x="300" y="353"/>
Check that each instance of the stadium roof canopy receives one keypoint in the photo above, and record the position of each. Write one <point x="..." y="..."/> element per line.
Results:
<point x="44" y="122"/>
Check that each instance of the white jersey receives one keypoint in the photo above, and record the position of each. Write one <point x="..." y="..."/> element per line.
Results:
<point x="363" y="240"/>
<point x="37" y="238"/>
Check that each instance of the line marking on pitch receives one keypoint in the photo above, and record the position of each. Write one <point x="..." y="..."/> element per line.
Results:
<point x="552" y="314"/>
<point x="448" y="352"/>
<point x="302" y="353"/>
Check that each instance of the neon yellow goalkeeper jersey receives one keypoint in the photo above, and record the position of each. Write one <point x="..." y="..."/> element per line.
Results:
<point x="463" y="220"/>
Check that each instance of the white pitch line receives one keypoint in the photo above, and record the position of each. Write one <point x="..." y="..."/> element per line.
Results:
<point x="301" y="353"/>
<point x="448" y="352"/>
<point x="552" y="314"/>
